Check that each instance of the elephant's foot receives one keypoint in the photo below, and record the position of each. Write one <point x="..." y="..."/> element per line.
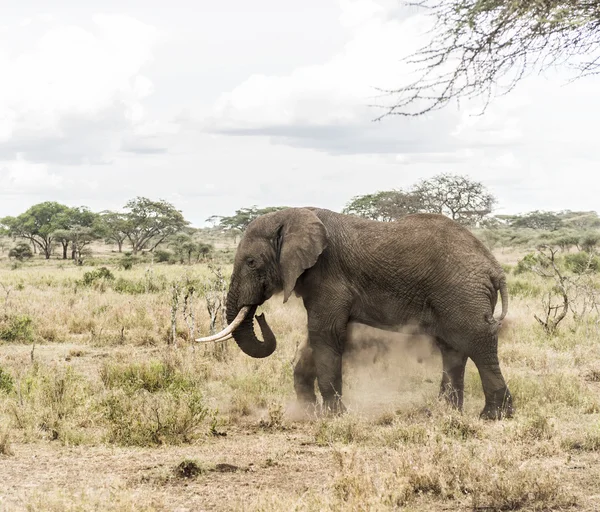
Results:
<point x="306" y="396"/>
<point x="452" y="396"/>
<point x="500" y="406"/>
<point x="333" y="407"/>
<point x="452" y="393"/>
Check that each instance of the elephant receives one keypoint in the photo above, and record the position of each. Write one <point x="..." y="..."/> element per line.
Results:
<point x="424" y="269"/>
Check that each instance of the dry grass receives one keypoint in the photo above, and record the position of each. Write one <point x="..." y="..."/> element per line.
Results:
<point x="99" y="412"/>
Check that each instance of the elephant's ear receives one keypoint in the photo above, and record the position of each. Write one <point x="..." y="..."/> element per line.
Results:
<point x="301" y="239"/>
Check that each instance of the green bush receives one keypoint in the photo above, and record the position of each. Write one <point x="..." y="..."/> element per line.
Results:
<point x="150" y="419"/>
<point x="22" y="251"/>
<point x="581" y="262"/>
<point x="100" y="274"/>
<point x="16" y="328"/>
<point x="6" y="382"/>
<point x="526" y="264"/>
<point x="53" y="404"/>
<point x="162" y="256"/>
<point x="128" y="261"/>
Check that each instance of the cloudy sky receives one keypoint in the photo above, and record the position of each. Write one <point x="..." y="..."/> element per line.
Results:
<point x="215" y="106"/>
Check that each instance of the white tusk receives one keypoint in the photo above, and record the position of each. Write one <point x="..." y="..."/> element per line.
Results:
<point x="226" y="333"/>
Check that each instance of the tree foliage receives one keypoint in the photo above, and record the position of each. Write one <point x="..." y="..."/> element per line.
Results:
<point x="455" y="196"/>
<point x="21" y="251"/>
<point x="483" y="48"/>
<point x="242" y="217"/>
<point x="149" y="223"/>
<point x="114" y="227"/>
<point x="387" y="205"/>
<point x="38" y="224"/>
<point x="186" y="248"/>
<point x="80" y="228"/>
<point x="460" y="198"/>
<point x="536" y="220"/>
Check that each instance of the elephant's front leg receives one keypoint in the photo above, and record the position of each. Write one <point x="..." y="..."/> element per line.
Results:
<point x="327" y="340"/>
<point x="305" y="374"/>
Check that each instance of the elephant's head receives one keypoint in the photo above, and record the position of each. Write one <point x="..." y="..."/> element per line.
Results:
<point x="274" y="251"/>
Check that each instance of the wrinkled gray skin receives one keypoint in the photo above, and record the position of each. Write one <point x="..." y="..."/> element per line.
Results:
<point x="423" y="268"/>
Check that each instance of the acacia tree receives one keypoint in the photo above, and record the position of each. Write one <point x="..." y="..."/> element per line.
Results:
<point x="79" y="228"/>
<point x="460" y="198"/>
<point x="149" y="223"/>
<point x="547" y="221"/>
<point x="242" y="217"/>
<point x="387" y="205"/>
<point x="114" y="226"/>
<point x="483" y="48"/>
<point x="38" y="224"/>
<point x="184" y="247"/>
<point x="79" y="237"/>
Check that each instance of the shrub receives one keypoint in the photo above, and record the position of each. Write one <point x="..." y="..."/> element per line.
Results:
<point x="17" y="328"/>
<point x="6" y="382"/>
<point x="52" y="404"/>
<point x="150" y="419"/>
<point x="128" y="261"/>
<point x="581" y="262"/>
<point x="93" y="276"/>
<point x="527" y="263"/>
<point x="162" y="256"/>
<point x="22" y="251"/>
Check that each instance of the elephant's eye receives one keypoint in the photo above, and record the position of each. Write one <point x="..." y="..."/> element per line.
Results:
<point x="251" y="262"/>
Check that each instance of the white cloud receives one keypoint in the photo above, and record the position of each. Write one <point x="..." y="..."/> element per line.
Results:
<point x="335" y="93"/>
<point x="22" y="177"/>
<point x="325" y="106"/>
<point x="79" y="88"/>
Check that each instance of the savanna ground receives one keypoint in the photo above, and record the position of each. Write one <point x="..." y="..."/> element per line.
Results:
<point x="98" y="411"/>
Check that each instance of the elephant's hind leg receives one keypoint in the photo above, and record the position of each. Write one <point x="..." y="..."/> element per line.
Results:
<point x="498" y="400"/>
<point x="305" y="375"/>
<point x="453" y="374"/>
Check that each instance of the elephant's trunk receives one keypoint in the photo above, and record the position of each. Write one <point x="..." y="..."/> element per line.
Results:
<point x="244" y="334"/>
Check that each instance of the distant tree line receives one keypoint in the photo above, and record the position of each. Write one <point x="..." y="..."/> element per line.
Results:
<point x="146" y="225"/>
<point x="143" y="225"/>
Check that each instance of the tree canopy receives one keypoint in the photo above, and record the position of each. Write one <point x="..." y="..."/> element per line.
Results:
<point x="386" y="205"/>
<point x="460" y="198"/>
<point x="547" y="221"/>
<point x="149" y="223"/>
<point x="80" y="227"/>
<point x="38" y="224"/>
<point x="242" y="217"/>
<point x="483" y="48"/>
<point x="114" y="227"/>
<point x="456" y="196"/>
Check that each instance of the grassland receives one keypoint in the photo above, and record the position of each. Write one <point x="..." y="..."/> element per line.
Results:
<point x="100" y="409"/>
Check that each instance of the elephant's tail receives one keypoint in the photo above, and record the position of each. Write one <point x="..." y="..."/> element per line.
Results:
<point x="503" y="297"/>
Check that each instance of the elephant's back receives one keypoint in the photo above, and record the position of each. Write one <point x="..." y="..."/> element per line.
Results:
<point x="408" y="245"/>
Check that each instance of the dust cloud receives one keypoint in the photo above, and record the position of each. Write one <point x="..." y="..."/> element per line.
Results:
<point x="386" y="370"/>
<point x="383" y="371"/>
